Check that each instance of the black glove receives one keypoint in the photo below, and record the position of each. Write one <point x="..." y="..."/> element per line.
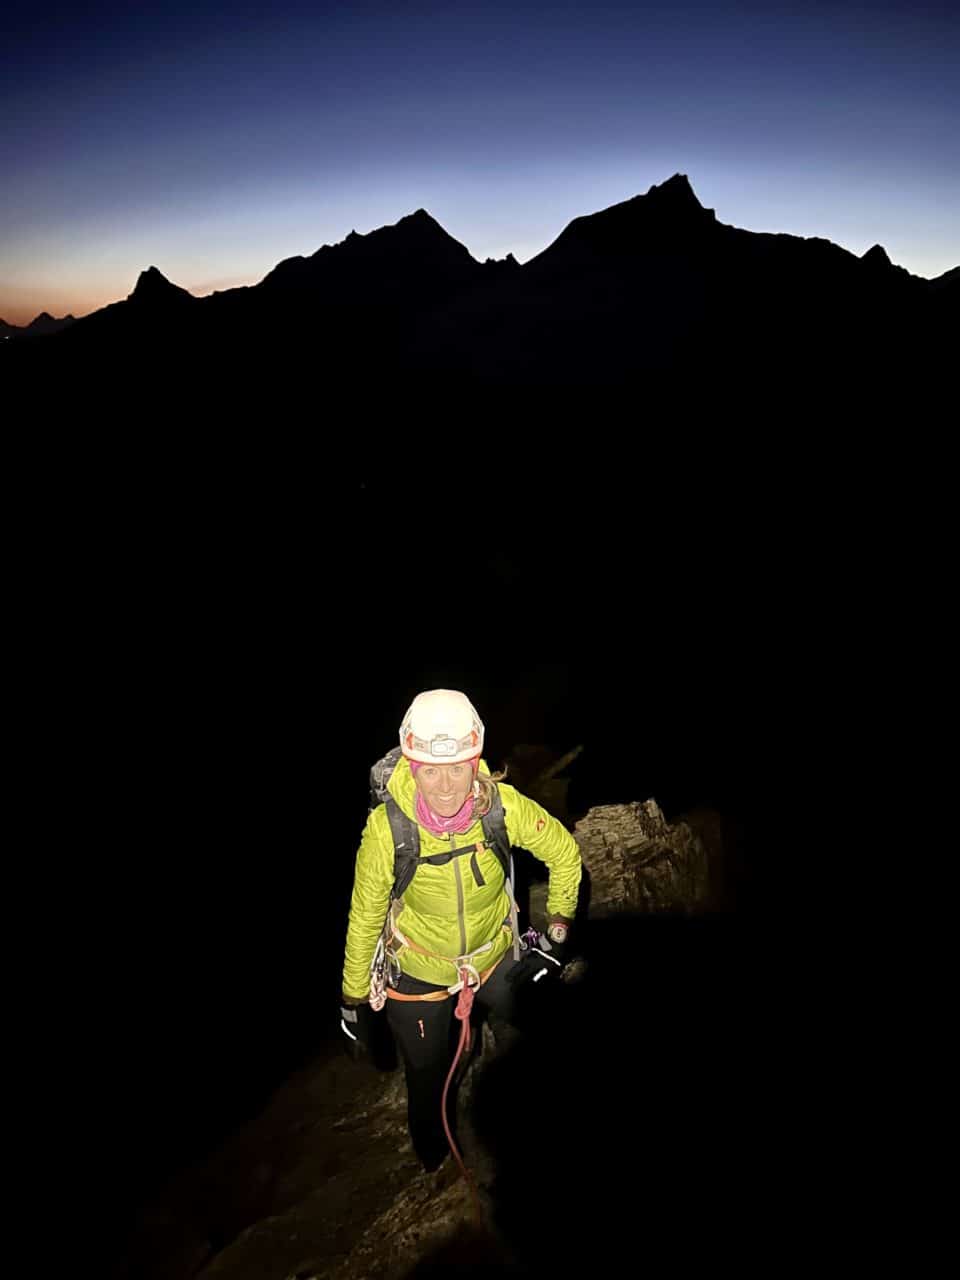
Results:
<point x="543" y="958"/>
<point x="534" y="965"/>
<point x="356" y="1023"/>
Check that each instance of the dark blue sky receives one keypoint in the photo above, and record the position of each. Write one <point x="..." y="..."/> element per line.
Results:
<point x="214" y="139"/>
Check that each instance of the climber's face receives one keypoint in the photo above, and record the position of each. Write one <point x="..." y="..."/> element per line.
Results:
<point x="445" y="787"/>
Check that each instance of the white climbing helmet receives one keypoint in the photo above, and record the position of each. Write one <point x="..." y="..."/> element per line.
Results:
<point x="441" y="727"/>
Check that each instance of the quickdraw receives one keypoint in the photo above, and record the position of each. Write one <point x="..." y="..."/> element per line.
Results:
<point x="384" y="971"/>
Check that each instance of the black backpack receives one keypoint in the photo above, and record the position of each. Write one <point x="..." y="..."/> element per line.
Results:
<point x="406" y="834"/>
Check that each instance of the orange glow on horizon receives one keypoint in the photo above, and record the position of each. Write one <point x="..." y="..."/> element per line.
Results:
<point x="17" y="311"/>
<point x="16" y="308"/>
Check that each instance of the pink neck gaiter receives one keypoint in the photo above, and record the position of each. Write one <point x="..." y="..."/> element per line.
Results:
<point x="437" y="825"/>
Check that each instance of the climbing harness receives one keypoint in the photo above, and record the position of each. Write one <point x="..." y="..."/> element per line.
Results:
<point x="467" y="970"/>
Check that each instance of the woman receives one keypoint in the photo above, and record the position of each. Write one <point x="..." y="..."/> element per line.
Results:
<point x="429" y="941"/>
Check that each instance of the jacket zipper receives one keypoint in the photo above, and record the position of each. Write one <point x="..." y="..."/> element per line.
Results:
<point x="456" y="872"/>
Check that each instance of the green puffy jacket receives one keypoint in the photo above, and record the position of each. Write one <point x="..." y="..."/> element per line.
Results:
<point x="444" y="910"/>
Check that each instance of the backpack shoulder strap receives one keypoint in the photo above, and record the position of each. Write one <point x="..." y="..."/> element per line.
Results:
<point x="406" y="846"/>
<point x="495" y="831"/>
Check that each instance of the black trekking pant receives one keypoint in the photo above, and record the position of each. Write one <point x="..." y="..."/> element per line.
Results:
<point x="427" y="1034"/>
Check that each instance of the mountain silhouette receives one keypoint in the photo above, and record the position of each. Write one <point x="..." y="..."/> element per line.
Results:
<point x="949" y="280"/>
<point x="877" y="256"/>
<point x="666" y="216"/>
<point x="154" y="290"/>
<point x="640" y="294"/>
<point x="414" y="252"/>
<point x="39" y="326"/>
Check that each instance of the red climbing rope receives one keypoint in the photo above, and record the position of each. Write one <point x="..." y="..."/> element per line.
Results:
<point x="462" y="1011"/>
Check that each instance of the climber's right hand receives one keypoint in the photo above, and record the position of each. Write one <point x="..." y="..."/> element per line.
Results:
<point x="356" y="1023"/>
<point x="534" y="965"/>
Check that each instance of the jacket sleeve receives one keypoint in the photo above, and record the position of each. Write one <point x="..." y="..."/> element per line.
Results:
<point x="372" y="882"/>
<point x="529" y="826"/>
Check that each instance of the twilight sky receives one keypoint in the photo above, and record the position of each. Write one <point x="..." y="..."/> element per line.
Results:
<point x="213" y="139"/>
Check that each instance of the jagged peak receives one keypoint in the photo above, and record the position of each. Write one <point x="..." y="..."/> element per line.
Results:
<point x="673" y="200"/>
<point x="669" y="208"/>
<point x="153" y="285"/>
<point x="421" y="216"/>
<point x="416" y="237"/>
<point x="676" y="188"/>
<point x="152" y="275"/>
<point x="419" y="221"/>
<point x="877" y="255"/>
